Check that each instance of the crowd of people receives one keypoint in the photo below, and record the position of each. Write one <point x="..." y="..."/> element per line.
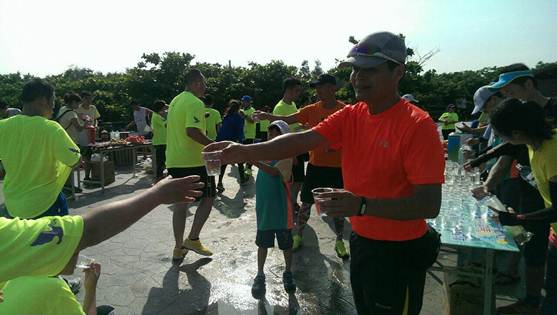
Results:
<point x="382" y="158"/>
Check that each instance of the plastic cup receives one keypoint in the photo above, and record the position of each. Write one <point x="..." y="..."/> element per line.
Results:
<point x="318" y="199"/>
<point x="83" y="262"/>
<point x="212" y="162"/>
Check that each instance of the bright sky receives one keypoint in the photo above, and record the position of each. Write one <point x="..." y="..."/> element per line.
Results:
<point x="46" y="37"/>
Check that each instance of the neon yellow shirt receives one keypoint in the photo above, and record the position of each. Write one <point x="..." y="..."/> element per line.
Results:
<point x="453" y="117"/>
<point x="39" y="247"/>
<point x="186" y="111"/>
<point x="544" y="166"/>
<point x="264" y="125"/>
<point x="158" y="123"/>
<point x="39" y="295"/>
<point x="213" y="118"/>
<point x="284" y="109"/>
<point x="38" y="155"/>
<point x="249" y="127"/>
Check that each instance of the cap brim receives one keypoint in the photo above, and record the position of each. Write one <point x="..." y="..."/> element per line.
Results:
<point x="477" y="109"/>
<point x="497" y="85"/>
<point x="362" y="62"/>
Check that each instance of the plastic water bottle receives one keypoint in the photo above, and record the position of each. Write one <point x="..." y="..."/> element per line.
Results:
<point x="526" y="174"/>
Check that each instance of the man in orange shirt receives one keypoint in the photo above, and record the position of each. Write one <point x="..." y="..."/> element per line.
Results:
<point x="323" y="169"/>
<point x="392" y="167"/>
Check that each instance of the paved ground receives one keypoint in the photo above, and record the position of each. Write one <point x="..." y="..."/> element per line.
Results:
<point x="138" y="277"/>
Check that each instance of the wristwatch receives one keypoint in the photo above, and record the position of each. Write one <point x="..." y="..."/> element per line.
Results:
<point x="363" y="206"/>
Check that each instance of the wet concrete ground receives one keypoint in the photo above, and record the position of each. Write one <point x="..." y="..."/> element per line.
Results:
<point x="138" y="278"/>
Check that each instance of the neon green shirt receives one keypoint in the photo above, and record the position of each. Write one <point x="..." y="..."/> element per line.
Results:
<point x="284" y="109"/>
<point x="544" y="166"/>
<point x="39" y="295"/>
<point x="186" y="111"/>
<point x="264" y="125"/>
<point x="453" y="117"/>
<point x="38" y="155"/>
<point x="213" y="118"/>
<point x="39" y="247"/>
<point x="249" y="127"/>
<point x="158" y="123"/>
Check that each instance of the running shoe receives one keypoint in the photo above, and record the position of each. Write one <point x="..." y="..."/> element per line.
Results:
<point x="197" y="247"/>
<point x="258" y="288"/>
<point x="178" y="255"/>
<point x="288" y="281"/>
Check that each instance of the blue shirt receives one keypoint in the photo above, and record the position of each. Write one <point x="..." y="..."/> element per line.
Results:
<point x="232" y="128"/>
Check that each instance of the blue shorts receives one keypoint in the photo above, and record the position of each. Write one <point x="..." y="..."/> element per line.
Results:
<point x="58" y="208"/>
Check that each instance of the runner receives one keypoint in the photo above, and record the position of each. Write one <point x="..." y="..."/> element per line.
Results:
<point x="213" y="118"/>
<point x="249" y="125"/>
<point x="393" y="167"/>
<point x="7" y="112"/>
<point x="141" y="115"/>
<point x="448" y="120"/>
<point x="186" y="128"/>
<point x="292" y="88"/>
<point x="38" y="155"/>
<point x="324" y="168"/>
<point x="44" y="246"/>
<point x="158" y="123"/>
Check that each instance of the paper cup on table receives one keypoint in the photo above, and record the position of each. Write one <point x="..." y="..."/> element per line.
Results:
<point x="212" y="162"/>
<point x="318" y="199"/>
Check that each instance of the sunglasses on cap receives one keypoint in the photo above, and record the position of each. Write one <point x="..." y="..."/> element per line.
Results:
<point x="366" y="50"/>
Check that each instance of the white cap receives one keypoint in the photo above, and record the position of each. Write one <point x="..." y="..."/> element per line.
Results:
<point x="281" y="125"/>
<point x="410" y="98"/>
<point x="480" y="98"/>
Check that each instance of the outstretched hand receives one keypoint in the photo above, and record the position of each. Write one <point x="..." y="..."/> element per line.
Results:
<point x="227" y="152"/>
<point x="171" y="190"/>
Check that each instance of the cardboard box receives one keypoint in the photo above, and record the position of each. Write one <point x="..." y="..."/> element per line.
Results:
<point x="109" y="174"/>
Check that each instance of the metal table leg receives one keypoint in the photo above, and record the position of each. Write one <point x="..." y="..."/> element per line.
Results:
<point x="134" y="159"/>
<point x="488" y="281"/>
<point x="154" y="160"/>
<point x="102" y="172"/>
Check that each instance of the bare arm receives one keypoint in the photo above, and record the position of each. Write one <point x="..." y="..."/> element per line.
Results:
<point x="424" y="203"/>
<point x="90" y="302"/>
<point x="279" y="148"/>
<point x="498" y="172"/>
<point x="198" y="136"/>
<point x="110" y="219"/>
<point x="290" y="119"/>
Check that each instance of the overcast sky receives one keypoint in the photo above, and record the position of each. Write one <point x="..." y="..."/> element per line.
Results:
<point x="46" y="37"/>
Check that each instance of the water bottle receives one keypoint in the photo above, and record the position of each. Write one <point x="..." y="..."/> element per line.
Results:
<point x="453" y="146"/>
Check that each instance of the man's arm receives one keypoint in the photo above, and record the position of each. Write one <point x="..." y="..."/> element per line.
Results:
<point x="90" y="283"/>
<point x="198" y="136"/>
<point x="108" y="220"/>
<point x="290" y="119"/>
<point x="424" y="203"/>
<point x="496" y="175"/>
<point x="279" y="148"/>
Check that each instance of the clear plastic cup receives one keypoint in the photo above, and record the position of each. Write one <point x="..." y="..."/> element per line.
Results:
<point x="318" y="200"/>
<point x="212" y="162"/>
<point x="83" y="262"/>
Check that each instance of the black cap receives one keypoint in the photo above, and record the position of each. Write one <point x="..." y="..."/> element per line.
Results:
<point x="323" y="79"/>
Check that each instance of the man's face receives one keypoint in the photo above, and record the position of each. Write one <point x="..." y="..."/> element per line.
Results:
<point x="374" y="83"/>
<point x="515" y="90"/>
<point x="87" y="100"/>
<point x="200" y="86"/>
<point x="325" y="91"/>
<point x="295" y="92"/>
<point x="273" y="133"/>
<point x="491" y="103"/>
<point x="451" y="108"/>
<point x="246" y="104"/>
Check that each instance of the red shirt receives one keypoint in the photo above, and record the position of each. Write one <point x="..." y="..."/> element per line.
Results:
<point x="383" y="156"/>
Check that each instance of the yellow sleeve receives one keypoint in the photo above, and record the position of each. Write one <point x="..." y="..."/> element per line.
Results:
<point x="196" y="117"/>
<point x="37" y="247"/>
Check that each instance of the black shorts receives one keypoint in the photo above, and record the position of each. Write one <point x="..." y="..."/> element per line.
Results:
<point x="266" y="239"/>
<point x="209" y="191"/>
<point x="320" y="176"/>
<point x="298" y="169"/>
<point x="248" y="141"/>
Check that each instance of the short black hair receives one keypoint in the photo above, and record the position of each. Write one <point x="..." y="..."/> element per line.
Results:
<point x="36" y="89"/>
<point x="289" y="83"/>
<point x="208" y="100"/>
<point x="158" y="105"/>
<point x="134" y="102"/>
<point x="518" y="67"/>
<point x="3" y="104"/>
<point x="528" y="117"/>
<point x="275" y="127"/>
<point x="71" y="97"/>
<point x="86" y="94"/>
<point x="192" y="76"/>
